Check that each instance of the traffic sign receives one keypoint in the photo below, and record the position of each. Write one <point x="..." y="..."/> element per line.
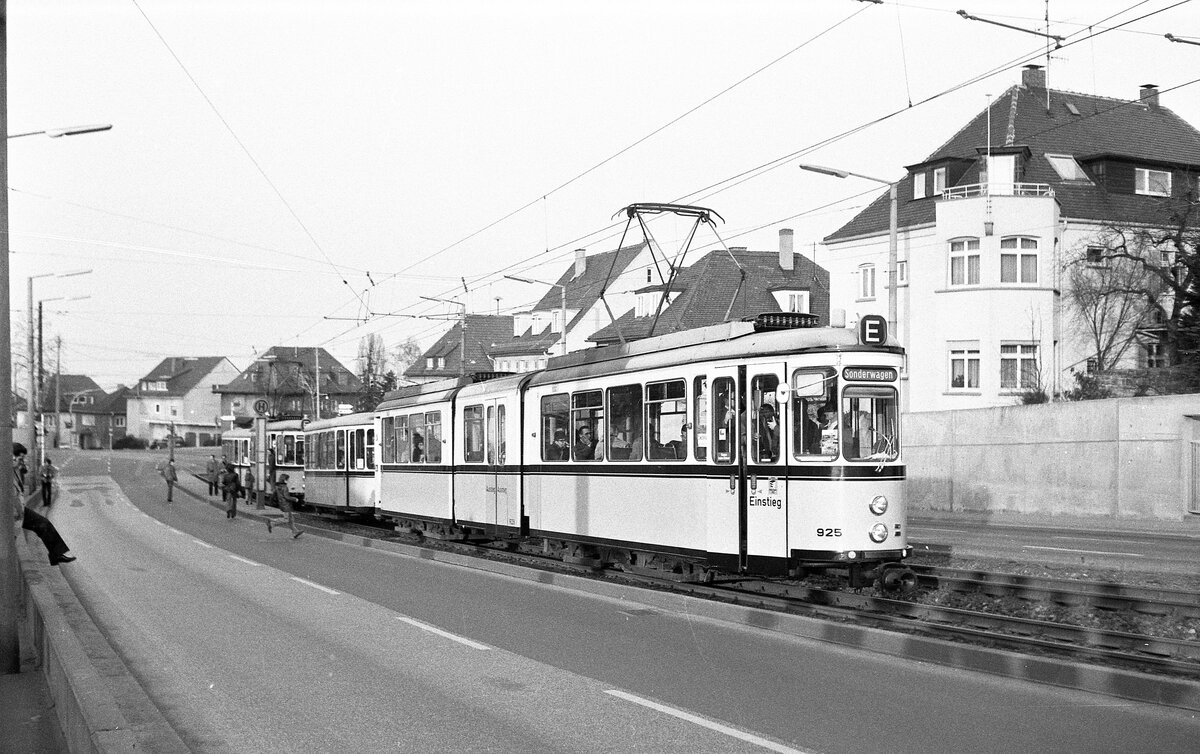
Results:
<point x="261" y="406"/>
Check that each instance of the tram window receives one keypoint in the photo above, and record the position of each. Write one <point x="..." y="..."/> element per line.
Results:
<point x="625" y="423"/>
<point x="417" y="435"/>
<point x="500" y="454"/>
<point x="299" y="451"/>
<point x="403" y="440"/>
<point x="433" y="437"/>
<point x="360" y="450"/>
<point x="587" y="424"/>
<point x="700" y="418"/>
<point x="814" y="433"/>
<point x="473" y="434"/>
<point x="389" y="439"/>
<point x="725" y="420"/>
<point x="289" y="450"/>
<point x="766" y="419"/>
<point x="666" y="416"/>
<point x="491" y="435"/>
<point x="341" y="450"/>
<point x="870" y="424"/>
<point x="556" y="433"/>
<point x="370" y="446"/>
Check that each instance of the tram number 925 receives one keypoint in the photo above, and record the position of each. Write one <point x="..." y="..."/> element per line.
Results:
<point x="829" y="532"/>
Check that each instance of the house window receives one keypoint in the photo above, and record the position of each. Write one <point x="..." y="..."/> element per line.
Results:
<point x="918" y="185"/>
<point x="1066" y="167"/>
<point x="939" y="181"/>
<point x="88" y="420"/>
<point x="798" y="302"/>
<point x="1096" y="257"/>
<point x="1018" y="366"/>
<point x="1018" y="260"/>
<point x="964" y="368"/>
<point x="1154" y="354"/>
<point x="1152" y="182"/>
<point x="964" y="261"/>
<point x="118" y="421"/>
<point x="158" y="408"/>
<point x="1093" y="364"/>
<point x="866" y="288"/>
<point x="174" y="411"/>
<point x="901" y="273"/>
<point x="429" y="363"/>
<point x="441" y="362"/>
<point x="649" y="273"/>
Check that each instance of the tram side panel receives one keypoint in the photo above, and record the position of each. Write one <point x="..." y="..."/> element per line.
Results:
<point x="415" y="471"/>
<point x="487" y="479"/>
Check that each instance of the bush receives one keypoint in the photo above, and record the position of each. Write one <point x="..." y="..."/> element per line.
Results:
<point x="129" y="442"/>
<point x="1088" y="387"/>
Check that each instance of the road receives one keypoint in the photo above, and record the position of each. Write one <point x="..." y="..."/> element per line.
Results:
<point x="255" y="642"/>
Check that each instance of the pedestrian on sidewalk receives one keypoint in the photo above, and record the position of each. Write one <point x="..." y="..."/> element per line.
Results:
<point x="46" y="474"/>
<point x="35" y="522"/>
<point x="251" y="494"/>
<point x="229" y="491"/>
<point x="211" y="470"/>
<point x="171" y="476"/>
<point x="286" y="501"/>
<point x="19" y="467"/>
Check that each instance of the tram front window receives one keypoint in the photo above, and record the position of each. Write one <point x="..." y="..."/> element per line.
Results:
<point x="870" y="424"/>
<point x="815" y="433"/>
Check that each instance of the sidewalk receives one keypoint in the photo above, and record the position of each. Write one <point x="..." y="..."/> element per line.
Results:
<point x="28" y="724"/>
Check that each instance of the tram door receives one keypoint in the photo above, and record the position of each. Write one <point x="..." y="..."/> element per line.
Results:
<point x="501" y="487"/>
<point x="746" y="429"/>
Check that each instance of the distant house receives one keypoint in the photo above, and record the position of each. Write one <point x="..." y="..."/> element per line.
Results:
<point x="992" y="223"/>
<point x="540" y="332"/>
<point x="290" y="379"/>
<point x="179" y="392"/>
<point x="444" y="358"/>
<point x="69" y="391"/>
<point x="723" y="286"/>
<point x="99" y="422"/>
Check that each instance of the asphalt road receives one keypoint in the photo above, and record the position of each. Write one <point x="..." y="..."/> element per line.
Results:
<point x="255" y="642"/>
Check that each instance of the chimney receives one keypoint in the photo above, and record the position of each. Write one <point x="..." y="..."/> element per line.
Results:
<point x="1149" y="95"/>
<point x="580" y="262"/>
<point x="1033" y="77"/>
<point x="787" y="260"/>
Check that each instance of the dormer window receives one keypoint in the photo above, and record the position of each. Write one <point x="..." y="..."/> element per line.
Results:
<point x="919" y="185"/>
<point x="1067" y="167"/>
<point x="1152" y="182"/>
<point x="939" y="181"/>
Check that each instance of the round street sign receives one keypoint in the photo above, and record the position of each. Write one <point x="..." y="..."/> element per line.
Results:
<point x="261" y="406"/>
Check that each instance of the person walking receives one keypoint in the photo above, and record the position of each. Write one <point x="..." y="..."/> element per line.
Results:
<point x="251" y="493"/>
<point x="211" y="469"/>
<point x="285" y="500"/>
<point x="229" y="491"/>
<point x="46" y="474"/>
<point x="171" y="476"/>
<point x="35" y="522"/>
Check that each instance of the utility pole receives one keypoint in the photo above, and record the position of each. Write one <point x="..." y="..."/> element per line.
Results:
<point x="10" y="649"/>
<point x="57" y="388"/>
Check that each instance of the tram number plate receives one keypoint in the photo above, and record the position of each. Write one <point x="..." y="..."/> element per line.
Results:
<point x="829" y="532"/>
<point x="497" y="489"/>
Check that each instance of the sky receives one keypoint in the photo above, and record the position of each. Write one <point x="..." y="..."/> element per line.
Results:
<point x="301" y="173"/>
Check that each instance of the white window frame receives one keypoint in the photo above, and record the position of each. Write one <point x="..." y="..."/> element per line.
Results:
<point x="1024" y="249"/>
<point x="1144" y="182"/>
<point x="1067" y="167"/>
<point x="939" y="181"/>
<point x="866" y="282"/>
<point x="1153" y="355"/>
<point x="902" y="272"/>
<point x="1023" y="357"/>
<point x="965" y="249"/>
<point x="118" y="421"/>
<point x="1096" y="259"/>
<point x="919" y="185"/>
<point x="968" y="355"/>
<point x="797" y="301"/>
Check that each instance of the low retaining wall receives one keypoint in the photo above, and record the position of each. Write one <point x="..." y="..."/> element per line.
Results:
<point x="1121" y="459"/>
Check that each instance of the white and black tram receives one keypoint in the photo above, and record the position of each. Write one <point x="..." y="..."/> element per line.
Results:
<point x="339" y="464"/>
<point x="765" y="446"/>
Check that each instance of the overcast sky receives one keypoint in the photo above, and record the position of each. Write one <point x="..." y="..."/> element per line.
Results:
<point x="277" y="171"/>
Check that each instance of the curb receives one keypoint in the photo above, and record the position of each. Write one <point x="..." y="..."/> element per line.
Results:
<point x="1125" y="684"/>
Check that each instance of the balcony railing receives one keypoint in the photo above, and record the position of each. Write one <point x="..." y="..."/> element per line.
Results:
<point x="998" y="189"/>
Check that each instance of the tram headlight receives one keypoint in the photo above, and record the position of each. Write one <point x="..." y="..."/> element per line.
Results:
<point x="879" y="505"/>
<point x="879" y="532"/>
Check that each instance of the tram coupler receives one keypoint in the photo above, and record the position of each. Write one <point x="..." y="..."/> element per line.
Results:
<point x="897" y="577"/>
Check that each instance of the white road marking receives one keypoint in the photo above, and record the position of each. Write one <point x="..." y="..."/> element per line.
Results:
<point x="240" y="559"/>
<point x="306" y="582"/>
<point x="203" y="544"/>
<point x="718" y="727"/>
<point x="1087" y="552"/>
<point x="443" y="634"/>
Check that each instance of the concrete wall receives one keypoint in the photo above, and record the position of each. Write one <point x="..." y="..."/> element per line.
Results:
<point x="1126" y="458"/>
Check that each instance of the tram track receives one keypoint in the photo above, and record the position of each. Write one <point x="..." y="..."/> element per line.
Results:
<point x="1083" y="644"/>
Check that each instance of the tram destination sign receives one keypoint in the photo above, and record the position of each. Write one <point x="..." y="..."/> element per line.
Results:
<point x="869" y="374"/>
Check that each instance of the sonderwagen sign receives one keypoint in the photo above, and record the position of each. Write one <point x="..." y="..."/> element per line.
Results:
<point x="863" y="374"/>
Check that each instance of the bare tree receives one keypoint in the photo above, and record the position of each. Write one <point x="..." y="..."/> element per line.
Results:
<point x="1105" y="312"/>
<point x="406" y="354"/>
<point x="373" y="371"/>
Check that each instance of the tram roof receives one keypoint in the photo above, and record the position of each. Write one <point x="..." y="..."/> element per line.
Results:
<point x="356" y="419"/>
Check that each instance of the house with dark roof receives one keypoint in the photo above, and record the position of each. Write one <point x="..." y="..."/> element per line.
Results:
<point x="990" y="222"/>
<point x="297" y="382"/>
<point x="723" y="286"/>
<point x="179" y="392"/>
<point x="444" y="359"/>
<point x="97" y="421"/>
<point x="57" y="397"/>
<point x="575" y="299"/>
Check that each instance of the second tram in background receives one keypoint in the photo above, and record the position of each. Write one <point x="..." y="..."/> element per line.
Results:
<point x="285" y="451"/>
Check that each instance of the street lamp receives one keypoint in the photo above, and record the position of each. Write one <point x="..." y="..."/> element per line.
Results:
<point x="30" y="432"/>
<point x="562" y="306"/>
<point x="892" y="252"/>
<point x="55" y="133"/>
